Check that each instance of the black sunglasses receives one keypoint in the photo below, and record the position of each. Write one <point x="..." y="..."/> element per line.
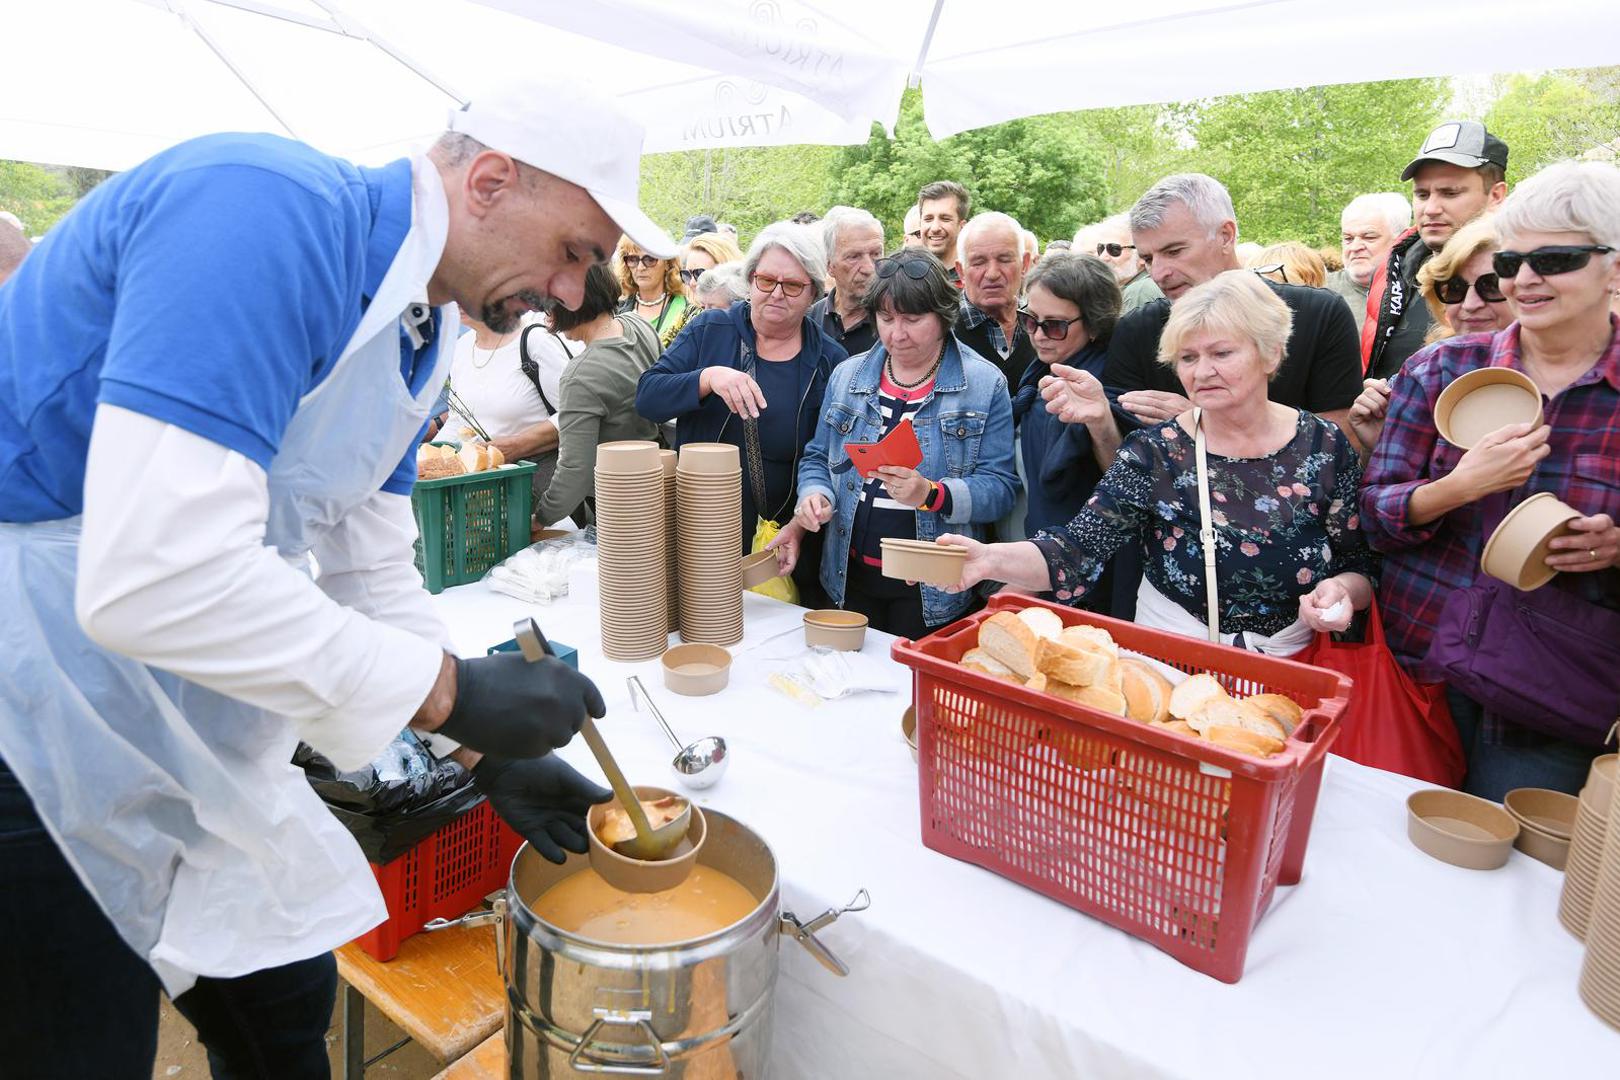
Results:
<point x="1115" y="250"/>
<point x="691" y="276"/>
<point x="1546" y="261"/>
<point x="1272" y="268"/>
<point x="1054" y="329"/>
<point x="647" y="261"/>
<point x="915" y="269"/>
<point x="1454" y="290"/>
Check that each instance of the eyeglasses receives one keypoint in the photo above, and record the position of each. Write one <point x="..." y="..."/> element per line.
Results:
<point x="691" y="276"/>
<point x="1546" y="261"/>
<point x="1054" y="329"/>
<point x="1115" y="250"/>
<point x="1454" y="290"/>
<point x="1272" y="268"/>
<point x="647" y="261"/>
<point x="914" y="268"/>
<point x="768" y="285"/>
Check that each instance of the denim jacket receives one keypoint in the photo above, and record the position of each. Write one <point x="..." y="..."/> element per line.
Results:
<point x="965" y="430"/>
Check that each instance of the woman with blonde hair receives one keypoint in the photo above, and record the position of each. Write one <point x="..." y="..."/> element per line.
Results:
<point x="1461" y="288"/>
<point x="652" y="289"/>
<point x="1290" y="263"/>
<point x="1289" y="557"/>
<point x="703" y="252"/>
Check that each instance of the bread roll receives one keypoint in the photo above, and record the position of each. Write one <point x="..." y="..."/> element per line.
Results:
<point x="1043" y="621"/>
<point x="1285" y="711"/>
<point x="1180" y="727"/>
<point x="1146" y="692"/>
<point x="1091" y="637"/>
<point x="1227" y="712"/>
<point x="1242" y="740"/>
<point x="1010" y="640"/>
<point x="437" y="468"/>
<point x="1188" y="698"/>
<point x="1097" y="697"/>
<point x="1037" y="681"/>
<point x="480" y="457"/>
<point x="1077" y="665"/>
<point x="984" y="663"/>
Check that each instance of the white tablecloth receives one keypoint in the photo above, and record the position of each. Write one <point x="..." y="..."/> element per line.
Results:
<point x="1381" y="963"/>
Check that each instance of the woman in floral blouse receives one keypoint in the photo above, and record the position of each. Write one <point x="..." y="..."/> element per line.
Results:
<point x="1290" y="557"/>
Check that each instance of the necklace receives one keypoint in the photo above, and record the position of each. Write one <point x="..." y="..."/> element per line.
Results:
<point x="659" y="299"/>
<point x="929" y="374"/>
<point x="489" y="354"/>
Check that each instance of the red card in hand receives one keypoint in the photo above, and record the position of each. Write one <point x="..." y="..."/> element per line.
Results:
<point x="898" y="447"/>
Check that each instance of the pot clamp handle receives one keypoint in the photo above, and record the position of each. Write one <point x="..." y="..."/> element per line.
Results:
<point x="805" y="932"/>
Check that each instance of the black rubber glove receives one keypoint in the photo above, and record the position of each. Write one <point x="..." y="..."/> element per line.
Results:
<point x="543" y="798"/>
<point x="511" y="708"/>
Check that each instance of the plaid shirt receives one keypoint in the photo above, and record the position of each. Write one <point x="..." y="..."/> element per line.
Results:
<point x="1425" y="563"/>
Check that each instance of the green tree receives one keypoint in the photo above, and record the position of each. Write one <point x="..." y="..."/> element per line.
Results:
<point x="1553" y="116"/>
<point x="749" y="187"/>
<point x="1039" y="170"/>
<point x="1293" y="158"/>
<point x="38" y="196"/>
<point x="1138" y="143"/>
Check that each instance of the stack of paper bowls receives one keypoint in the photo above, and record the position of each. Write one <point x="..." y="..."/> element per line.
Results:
<point x="631" y="537"/>
<point x="1585" y="861"/>
<point x="1600" y="974"/>
<point x="672" y="581"/>
<point x="708" y="531"/>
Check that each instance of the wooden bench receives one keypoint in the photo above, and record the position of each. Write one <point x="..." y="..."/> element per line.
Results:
<point x="488" y="1062"/>
<point x="443" y="990"/>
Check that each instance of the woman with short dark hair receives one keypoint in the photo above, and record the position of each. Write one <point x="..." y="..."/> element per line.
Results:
<point x="598" y="391"/>
<point x="956" y="400"/>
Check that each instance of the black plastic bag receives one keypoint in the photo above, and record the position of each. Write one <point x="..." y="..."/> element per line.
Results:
<point x="397" y="800"/>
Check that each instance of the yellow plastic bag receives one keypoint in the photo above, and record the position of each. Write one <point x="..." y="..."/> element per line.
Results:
<point x="778" y="588"/>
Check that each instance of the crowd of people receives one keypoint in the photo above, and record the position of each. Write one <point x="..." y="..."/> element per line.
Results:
<point x="1057" y="398"/>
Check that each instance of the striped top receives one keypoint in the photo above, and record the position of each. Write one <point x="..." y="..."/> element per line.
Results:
<point x="876" y="515"/>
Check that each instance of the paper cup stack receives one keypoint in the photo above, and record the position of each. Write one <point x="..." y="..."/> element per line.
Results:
<point x="631" y="539"/>
<point x="1586" y="846"/>
<point x="708" y="532"/>
<point x="1600" y="974"/>
<point x="672" y="581"/>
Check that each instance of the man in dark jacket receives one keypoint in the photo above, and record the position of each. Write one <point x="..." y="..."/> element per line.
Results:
<point x="1458" y="174"/>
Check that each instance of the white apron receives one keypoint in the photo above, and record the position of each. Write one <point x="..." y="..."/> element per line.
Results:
<point x="1156" y="610"/>
<point x="178" y="807"/>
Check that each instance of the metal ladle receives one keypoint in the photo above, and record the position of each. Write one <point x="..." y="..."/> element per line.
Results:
<point x="649" y="844"/>
<point x="698" y="765"/>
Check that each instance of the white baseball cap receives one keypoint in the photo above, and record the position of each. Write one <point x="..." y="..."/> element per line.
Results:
<point x="574" y="133"/>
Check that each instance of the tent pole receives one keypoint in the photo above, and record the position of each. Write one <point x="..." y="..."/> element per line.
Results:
<point x="184" y="15"/>
<point x="915" y="79"/>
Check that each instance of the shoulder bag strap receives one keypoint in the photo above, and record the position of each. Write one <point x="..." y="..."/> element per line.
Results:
<point x="1206" y="529"/>
<point x="531" y="369"/>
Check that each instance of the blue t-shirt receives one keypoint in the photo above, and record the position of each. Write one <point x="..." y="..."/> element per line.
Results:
<point x="210" y="287"/>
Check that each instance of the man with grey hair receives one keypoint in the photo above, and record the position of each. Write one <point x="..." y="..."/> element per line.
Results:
<point x="912" y="227"/>
<point x="1110" y="240"/>
<point x="1185" y="230"/>
<point x="13" y="246"/>
<point x="1367" y="230"/>
<point x="854" y="242"/>
<point x="991" y="264"/>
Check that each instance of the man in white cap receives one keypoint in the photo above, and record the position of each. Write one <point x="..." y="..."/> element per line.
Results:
<point x="217" y="366"/>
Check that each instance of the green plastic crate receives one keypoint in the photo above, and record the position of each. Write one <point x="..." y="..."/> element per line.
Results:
<point x="469" y="523"/>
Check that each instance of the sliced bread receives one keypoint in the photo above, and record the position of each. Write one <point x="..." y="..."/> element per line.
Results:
<point x="1146" y="692"/>
<point x="1285" y="711"/>
<point x="1010" y="640"/>
<point x="1044" y="621"/>
<point x="1189" y="697"/>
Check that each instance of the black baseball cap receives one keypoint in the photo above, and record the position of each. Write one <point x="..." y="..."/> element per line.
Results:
<point x="1461" y="142"/>
<point x="699" y="224"/>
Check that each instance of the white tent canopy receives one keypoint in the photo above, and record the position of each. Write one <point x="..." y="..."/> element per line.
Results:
<point x="105" y="83"/>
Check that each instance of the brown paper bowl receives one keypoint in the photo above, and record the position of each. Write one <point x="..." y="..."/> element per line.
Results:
<point x="1543" y="847"/>
<point x="1485" y="400"/>
<point x="636" y="875"/>
<point x="759" y="568"/>
<point x="718" y="459"/>
<point x="629" y="456"/>
<point x="696" y="670"/>
<point x="1600" y="784"/>
<point x="668" y="458"/>
<point x="908" y="728"/>
<point x="1460" y="829"/>
<point x="1544" y="810"/>
<point x="1517" y="551"/>
<point x="919" y="560"/>
<point x="835" y="629"/>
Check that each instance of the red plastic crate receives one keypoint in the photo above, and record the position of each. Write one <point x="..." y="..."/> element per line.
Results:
<point x="1173" y="840"/>
<point x="445" y="876"/>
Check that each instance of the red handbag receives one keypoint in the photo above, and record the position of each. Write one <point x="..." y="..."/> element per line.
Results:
<point x="1392" y="721"/>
